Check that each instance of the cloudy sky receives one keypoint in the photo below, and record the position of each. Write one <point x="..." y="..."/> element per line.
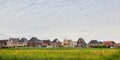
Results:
<point x="70" y="19"/>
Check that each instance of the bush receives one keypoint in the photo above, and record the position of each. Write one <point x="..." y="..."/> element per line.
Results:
<point x="99" y="46"/>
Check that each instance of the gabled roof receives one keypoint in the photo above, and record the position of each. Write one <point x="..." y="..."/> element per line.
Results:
<point x="81" y="40"/>
<point x="56" y="41"/>
<point x="33" y="39"/>
<point x="15" y="40"/>
<point x="108" y="42"/>
<point x="46" y="42"/>
<point x="93" y="41"/>
<point x="36" y="40"/>
<point x="24" y="39"/>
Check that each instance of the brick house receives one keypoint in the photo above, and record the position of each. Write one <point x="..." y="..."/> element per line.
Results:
<point x="109" y="44"/>
<point x="117" y="45"/>
<point x="3" y="43"/>
<point x="46" y="43"/>
<point x="56" y="43"/>
<point x="34" y="42"/>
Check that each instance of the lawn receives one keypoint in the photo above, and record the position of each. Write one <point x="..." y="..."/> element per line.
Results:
<point x="59" y="54"/>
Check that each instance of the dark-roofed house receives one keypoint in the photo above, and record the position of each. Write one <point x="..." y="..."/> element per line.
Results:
<point x="3" y="43"/>
<point x="56" y="43"/>
<point x="34" y="42"/>
<point x="94" y="43"/>
<point x="109" y="44"/>
<point x="81" y="43"/>
<point x="22" y="42"/>
<point x="46" y="43"/>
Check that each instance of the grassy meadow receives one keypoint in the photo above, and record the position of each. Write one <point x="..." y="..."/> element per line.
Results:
<point x="59" y="54"/>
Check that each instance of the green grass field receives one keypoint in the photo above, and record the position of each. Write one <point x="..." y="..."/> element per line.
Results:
<point x="59" y="54"/>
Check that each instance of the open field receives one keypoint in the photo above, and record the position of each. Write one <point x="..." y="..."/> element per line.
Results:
<point x="59" y="54"/>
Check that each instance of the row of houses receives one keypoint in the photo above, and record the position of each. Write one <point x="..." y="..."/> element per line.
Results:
<point x="35" y="42"/>
<point x="14" y="42"/>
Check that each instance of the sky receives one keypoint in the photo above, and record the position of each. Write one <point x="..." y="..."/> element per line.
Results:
<point x="62" y="19"/>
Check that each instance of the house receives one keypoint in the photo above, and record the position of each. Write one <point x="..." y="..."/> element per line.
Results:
<point x="3" y="43"/>
<point x="117" y="45"/>
<point x="109" y="44"/>
<point x="22" y="42"/>
<point x="13" y="42"/>
<point x="74" y="43"/>
<point x="16" y="42"/>
<point x="56" y="43"/>
<point x="34" y="42"/>
<point x="46" y="43"/>
<point x="68" y="43"/>
<point x="81" y="43"/>
<point x="94" y="43"/>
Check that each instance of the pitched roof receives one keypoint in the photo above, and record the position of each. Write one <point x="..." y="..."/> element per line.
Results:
<point x="108" y="42"/>
<point x="46" y="41"/>
<point x="33" y="39"/>
<point x="56" y="41"/>
<point x="14" y="39"/>
<point x="24" y="39"/>
<point x="93" y="41"/>
<point x="81" y="40"/>
<point x="36" y="40"/>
